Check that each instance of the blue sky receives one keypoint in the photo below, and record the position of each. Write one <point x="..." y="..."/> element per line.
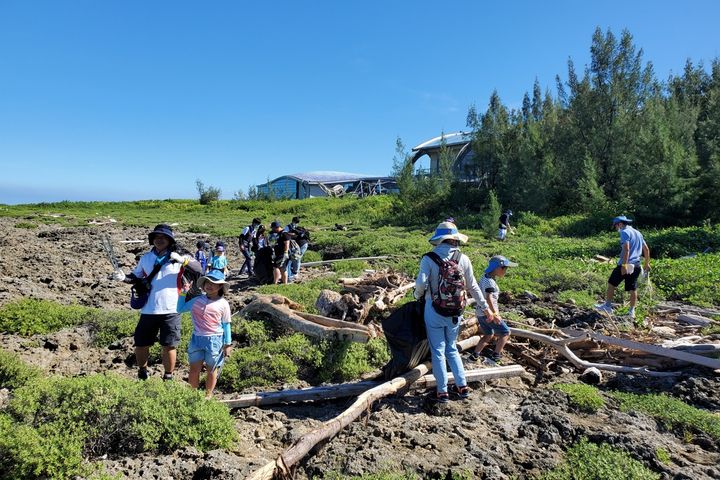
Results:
<point x="124" y="100"/>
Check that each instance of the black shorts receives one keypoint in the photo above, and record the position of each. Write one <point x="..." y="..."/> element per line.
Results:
<point x="167" y="324"/>
<point x="281" y="263"/>
<point x="630" y="280"/>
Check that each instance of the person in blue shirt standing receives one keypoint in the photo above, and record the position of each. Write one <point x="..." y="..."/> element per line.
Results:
<point x="628" y="269"/>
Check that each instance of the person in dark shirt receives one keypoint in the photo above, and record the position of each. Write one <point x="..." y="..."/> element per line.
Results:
<point x="280" y="242"/>
<point x="302" y="237"/>
<point x="504" y="226"/>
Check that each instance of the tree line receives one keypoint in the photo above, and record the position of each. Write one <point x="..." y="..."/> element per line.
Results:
<point x="612" y="139"/>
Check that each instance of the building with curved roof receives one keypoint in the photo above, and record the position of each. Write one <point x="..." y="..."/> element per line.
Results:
<point x="459" y="148"/>
<point x="326" y="183"/>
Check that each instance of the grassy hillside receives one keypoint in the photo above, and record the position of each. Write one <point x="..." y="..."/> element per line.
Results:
<point x="554" y="254"/>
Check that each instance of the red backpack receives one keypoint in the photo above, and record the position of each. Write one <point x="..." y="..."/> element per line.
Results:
<point x="449" y="298"/>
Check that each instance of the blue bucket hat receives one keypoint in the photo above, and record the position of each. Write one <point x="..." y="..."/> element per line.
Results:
<point x="499" y="261"/>
<point x="214" y="276"/>
<point x="161" y="229"/>
<point x="621" y="218"/>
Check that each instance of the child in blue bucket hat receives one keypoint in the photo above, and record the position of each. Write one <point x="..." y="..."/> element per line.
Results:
<point x="493" y="326"/>
<point x="211" y="341"/>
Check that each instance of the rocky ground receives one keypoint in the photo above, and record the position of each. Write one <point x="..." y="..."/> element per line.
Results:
<point x="508" y="428"/>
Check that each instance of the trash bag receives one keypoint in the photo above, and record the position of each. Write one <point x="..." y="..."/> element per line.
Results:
<point x="263" y="265"/>
<point x="406" y="336"/>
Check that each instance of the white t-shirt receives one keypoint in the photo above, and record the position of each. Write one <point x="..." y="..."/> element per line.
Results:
<point x="163" y="297"/>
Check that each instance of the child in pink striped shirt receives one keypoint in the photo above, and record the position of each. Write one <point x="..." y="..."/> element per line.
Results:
<point x="211" y="341"/>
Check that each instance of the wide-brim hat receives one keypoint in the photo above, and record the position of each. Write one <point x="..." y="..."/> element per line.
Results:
<point x="621" y="218"/>
<point x="161" y="229"/>
<point x="447" y="231"/>
<point x="216" y="277"/>
<point x="499" y="261"/>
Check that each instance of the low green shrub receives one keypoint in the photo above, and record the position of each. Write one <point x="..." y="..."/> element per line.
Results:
<point x="14" y="373"/>
<point x="671" y="412"/>
<point x="663" y="456"/>
<point x="311" y="256"/>
<point x="344" y="361"/>
<point x="695" y="280"/>
<point x="579" y="298"/>
<point x="350" y="267"/>
<point x="29" y="316"/>
<point x="589" y="461"/>
<point x="304" y="293"/>
<point x="250" y="332"/>
<point x="270" y="362"/>
<point x="26" y="225"/>
<point x="110" y="325"/>
<point x="585" y="397"/>
<point x="53" y="423"/>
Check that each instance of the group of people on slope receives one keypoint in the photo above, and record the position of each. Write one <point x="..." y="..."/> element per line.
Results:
<point x="275" y="257"/>
<point x="446" y="262"/>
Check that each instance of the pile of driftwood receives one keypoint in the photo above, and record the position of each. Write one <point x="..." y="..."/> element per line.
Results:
<point x="343" y="316"/>
<point x="365" y="298"/>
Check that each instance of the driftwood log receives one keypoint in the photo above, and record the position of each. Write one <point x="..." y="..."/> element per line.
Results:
<point x="282" y="465"/>
<point x="330" y="392"/>
<point x="283" y="315"/>
<point x="562" y="346"/>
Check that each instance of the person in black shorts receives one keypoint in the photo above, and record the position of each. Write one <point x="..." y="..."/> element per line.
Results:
<point x="159" y="315"/>
<point x="280" y="243"/>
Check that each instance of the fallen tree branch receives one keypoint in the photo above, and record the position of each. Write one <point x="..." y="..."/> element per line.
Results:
<point x="288" y="318"/>
<point x="329" y="392"/>
<point x="562" y="347"/>
<point x="325" y="262"/>
<point x="656" y="350"/>
<point x="282" y="465"/>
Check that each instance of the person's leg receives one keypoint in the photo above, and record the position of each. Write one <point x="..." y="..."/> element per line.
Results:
<point x="610" y="294"/>
<point x="436" y="342"/>
<point x="453" y="356"/>
<point x="145" y="335"/>
<point x="141" y="356"/>
<point x="276" y="275"/>
<point x="194" y="376"/>
<point x="296" y="263"/>
<point x="484" y="341"/>
<point x="170" y="339"/>
<point x="486" y="329"/>
<point x="284" y="273"/>
<point x="169" y="355"/>
<point x="500" y="345"/>
<point x="210" y="382"/>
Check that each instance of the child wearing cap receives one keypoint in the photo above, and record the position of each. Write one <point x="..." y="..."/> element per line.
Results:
<point x="211" y="341"/>
<point x="200" y="255"/>
<point x="218" y="262"/>
<point x="495" y="326"/>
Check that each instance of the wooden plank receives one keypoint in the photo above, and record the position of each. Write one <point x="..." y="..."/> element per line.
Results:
<point x="330" y="392"/>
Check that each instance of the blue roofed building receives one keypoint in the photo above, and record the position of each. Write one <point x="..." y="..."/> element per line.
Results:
<point x="325" y="184"/>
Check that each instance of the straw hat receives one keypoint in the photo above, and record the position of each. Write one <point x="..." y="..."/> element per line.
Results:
<point x="447" y="231"/>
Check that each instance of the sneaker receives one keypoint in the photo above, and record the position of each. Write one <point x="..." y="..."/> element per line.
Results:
<point x="167" y="377"/>
<point x="604" y="308"/>
<point x="459" y="392"/>
<point x="475" y="356"/>
<point x="442" y="397"/>
<point x="495" y="357"/>
<point x="142" y="374"/>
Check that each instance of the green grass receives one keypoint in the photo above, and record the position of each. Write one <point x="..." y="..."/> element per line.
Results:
<point x="589" y="461"/>
<point x="585" y="397"/>
<point x="663" y="456"/>
<point x="674" y="414"/>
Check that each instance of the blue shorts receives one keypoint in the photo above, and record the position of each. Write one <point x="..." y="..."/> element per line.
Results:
<point x="500" y="329"/>
<point x="205" y="349"/>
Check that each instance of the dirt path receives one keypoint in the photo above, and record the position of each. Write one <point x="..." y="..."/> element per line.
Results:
<point x="511" y="428"/>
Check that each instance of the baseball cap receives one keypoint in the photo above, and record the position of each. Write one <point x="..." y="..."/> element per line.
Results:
<point x="499" y="261"/>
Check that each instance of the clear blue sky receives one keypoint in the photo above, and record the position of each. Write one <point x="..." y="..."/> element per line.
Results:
<point x="123" y="100"/>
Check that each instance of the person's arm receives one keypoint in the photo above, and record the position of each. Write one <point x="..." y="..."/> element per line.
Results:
<point x="646" y="256"/>
<point x="625" y="256"/>
<point x="227" y="333"/>
<point x="185" y="306"/>
<point x="422" y="278"/>
<point x="472" y="287"/>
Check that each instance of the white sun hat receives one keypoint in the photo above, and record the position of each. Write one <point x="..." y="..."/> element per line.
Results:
<point x="447" y="231"/>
